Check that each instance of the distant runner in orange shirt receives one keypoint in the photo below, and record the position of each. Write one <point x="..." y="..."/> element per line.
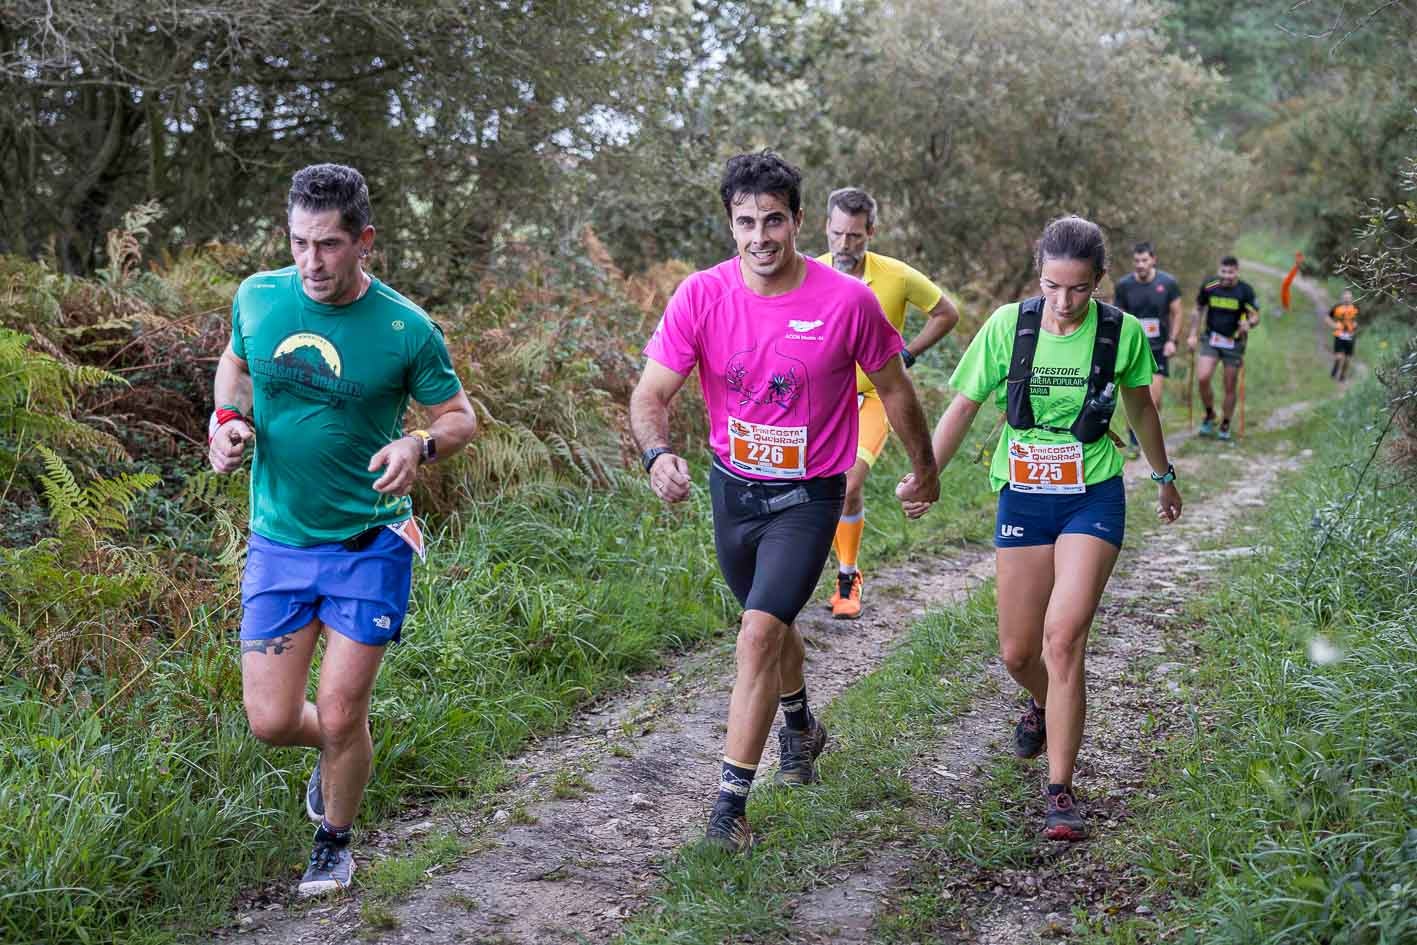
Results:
<point x="1343" y="319"/>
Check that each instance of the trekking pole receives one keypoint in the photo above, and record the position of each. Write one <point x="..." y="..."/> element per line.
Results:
<point x="1191" y="394"/>
<point x="1242" y="399"/>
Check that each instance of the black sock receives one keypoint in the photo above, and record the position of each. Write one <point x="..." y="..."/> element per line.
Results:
<point x="339" y="836"/>
<point x="795" y="711"/>
<point x="1056" y="789"/>
<point x="1334" y="371"/>
<point x="1225" y="424"/>
<point x="1209" y="415"/>
<point x="734" y="782"/>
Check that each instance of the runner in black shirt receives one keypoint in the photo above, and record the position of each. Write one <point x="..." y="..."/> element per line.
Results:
<point x="1153" y="297"/>
<point x="1226" y="312"/>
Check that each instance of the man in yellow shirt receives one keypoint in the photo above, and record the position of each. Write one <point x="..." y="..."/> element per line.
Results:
<point x="851" y="223"/>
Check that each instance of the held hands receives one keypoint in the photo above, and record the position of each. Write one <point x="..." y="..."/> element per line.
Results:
<point x="1168" y="503"/>
<point x="399" y="460"/>
<point x="228" y="445"/>
<point x="917" y="495"/>
<point x="1193" y="342"/>
<point x="669" y="477"/>
<point x="1168" y="349"/>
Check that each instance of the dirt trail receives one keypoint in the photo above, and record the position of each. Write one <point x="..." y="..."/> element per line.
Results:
<point x="573" y="868"/>
<point x="1137" y="693"/>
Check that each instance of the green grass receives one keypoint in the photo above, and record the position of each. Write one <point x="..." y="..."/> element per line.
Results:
<point x="1270" y="245"/>
<point x="1290" y="816"/>
<point x="394" y="877"/>
<point x="535" y="605"/>
<point x="527" y="608"/>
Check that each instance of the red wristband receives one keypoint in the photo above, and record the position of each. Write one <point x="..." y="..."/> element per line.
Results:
<point x="221" y="416"/>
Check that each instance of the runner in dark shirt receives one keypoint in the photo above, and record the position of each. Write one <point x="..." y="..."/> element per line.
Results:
<point x="1226" y="313"/>
<point x="1155" y="299"/>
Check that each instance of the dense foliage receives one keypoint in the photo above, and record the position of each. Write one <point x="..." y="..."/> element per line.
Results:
<point x="484" y="129"/>
<point x="1321" y="95"/>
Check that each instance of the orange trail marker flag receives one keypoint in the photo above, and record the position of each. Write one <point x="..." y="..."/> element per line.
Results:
<point x="1289" y="280"/>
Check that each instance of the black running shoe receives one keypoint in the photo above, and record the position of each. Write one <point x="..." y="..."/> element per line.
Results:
<point x="314" y="796"/>
<point x="1030" y="734"/>
<point x="728" y="830"/>
<point x="1063" y="821"/>
<point x="798" y="753"/>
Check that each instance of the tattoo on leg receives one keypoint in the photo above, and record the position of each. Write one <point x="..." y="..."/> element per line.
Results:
<point x="275" y="647"/>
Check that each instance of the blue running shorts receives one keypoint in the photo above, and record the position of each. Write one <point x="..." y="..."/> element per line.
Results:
<point x="1031" y="518"/>
<point x="360" y="594"/>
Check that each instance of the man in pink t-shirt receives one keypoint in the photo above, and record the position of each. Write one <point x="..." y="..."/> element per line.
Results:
<point x="776" y="338"/>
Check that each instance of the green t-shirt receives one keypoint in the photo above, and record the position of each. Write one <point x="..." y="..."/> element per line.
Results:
<point x="1060" y="369"/>
<point x="331" y="385"/>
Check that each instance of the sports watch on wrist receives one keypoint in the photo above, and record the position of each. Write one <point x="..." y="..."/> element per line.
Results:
<point x="1170" y="476"/>
<point x="430" y="445"/>
<point x="908" y="358"/>
<point x="648" y="457"/>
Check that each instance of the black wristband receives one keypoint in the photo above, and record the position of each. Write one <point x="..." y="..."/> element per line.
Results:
<point x="908" y="358"/>
<point x="648" y="457"/>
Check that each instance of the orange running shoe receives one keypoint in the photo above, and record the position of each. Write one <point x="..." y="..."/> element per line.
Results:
<point x="846" y="602"/>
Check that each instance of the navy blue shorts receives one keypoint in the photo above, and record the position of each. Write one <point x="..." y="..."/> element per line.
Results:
<point x="360" y="594"/>
<point x="1031" y="518"/>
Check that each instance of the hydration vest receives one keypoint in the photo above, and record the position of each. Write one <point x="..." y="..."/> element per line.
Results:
<point x="1099" y="402"/>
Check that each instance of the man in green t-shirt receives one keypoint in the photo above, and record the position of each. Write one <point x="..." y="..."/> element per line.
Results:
<point x="322" y="363"/>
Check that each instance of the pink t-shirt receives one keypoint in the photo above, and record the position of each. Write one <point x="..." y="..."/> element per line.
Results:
<point x="778" y="373"/>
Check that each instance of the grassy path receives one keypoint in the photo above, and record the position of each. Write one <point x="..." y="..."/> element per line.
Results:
<point x="584" y="836"/>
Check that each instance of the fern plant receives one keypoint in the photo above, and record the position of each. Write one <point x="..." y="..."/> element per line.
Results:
<point x="37" y="397"/>
<point x="94" y="510"/>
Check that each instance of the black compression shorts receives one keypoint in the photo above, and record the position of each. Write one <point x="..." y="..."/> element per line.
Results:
<point x="1163" y="366"/>
<point x="1342" y="345"/>
<point x="773" y="538"/>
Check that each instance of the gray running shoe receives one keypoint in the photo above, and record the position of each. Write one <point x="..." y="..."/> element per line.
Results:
<point x="728" y="830"/>
<point x="1207" y="428"/>
<point x="1031" y="733"/>
<point x="1063" y="821"/>
<point x="330" y="870"/>
<point x="798" y="753"/>
<point x="314" y="797"/>
<point x="1224" y="433"/>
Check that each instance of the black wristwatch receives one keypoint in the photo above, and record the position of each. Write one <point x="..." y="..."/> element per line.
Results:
<point x="908" y="358"/>
<point x="648" y="457"/>
<point x="1170" y="476"/>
